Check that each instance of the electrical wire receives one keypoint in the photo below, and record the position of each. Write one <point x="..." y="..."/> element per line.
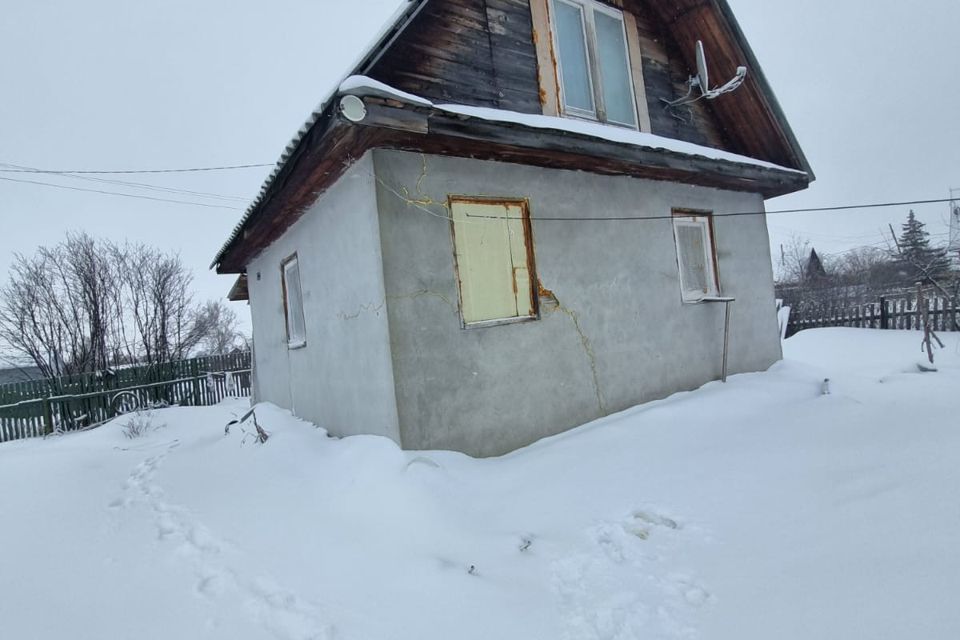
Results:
<point x="135" y="185"/>
<point x="129" y="171"/>
<point x="117" y="193"/>
<point x="79" y="172"/>
<point x="734" y="214"/>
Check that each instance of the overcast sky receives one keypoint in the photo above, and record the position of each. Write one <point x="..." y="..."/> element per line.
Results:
<point x="870" y="87"/>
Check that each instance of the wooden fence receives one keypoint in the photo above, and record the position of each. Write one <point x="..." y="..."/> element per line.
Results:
<point x="41" y="407"/>
<point x="884" y="314"/>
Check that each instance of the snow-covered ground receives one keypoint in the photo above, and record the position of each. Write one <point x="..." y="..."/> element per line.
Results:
<point x="757" y="509"/>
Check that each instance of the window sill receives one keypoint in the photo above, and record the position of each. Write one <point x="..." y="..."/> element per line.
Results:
<point x="707" y="299"/>
<point x="483" y="324"/>
<point x="586" y="117"/>
<point x="299" y="344"/>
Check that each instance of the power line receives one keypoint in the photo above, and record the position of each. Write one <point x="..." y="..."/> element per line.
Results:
<point x="129" y="171"/>
<point x="135" y="185"/>
<point x="117" y="193"/>
<point x="851" y="207"/>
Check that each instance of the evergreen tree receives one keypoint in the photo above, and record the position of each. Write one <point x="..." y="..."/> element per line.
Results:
<point x="918" y="260"/>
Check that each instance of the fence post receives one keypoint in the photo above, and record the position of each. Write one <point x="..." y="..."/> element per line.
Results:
<point x="884" y="318"/>
<point x="47" y="416"/>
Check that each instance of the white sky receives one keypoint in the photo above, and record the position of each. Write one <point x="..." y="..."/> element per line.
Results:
<point x="870" y="87"/>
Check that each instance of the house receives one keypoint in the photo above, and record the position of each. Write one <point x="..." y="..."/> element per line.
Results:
<point x="11" y="375"/>
<point x="496" y="228"/>
<point x="813" y="270"/>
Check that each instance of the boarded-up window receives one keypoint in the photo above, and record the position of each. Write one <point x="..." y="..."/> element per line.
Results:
<point x="293" y="303"/>
<point x="695" y="256"/>
<point x="494" y="258"/>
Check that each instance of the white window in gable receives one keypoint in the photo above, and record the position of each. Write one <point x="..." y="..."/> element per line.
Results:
<point x="595" y="78"/>
<point x="494" y="260"/>
<point x="696" y="256"/>
<point x="293" y="303"/>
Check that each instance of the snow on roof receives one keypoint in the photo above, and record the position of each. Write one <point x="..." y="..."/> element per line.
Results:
<point x="360" y="85"/>
<point x="403" y="12"/>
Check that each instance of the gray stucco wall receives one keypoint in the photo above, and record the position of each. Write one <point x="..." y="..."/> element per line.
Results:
<point x="618" y="334"/>
<point x="342" y="379"/>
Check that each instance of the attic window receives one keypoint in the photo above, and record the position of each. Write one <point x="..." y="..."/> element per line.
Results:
<point x="696" y="256"/>
<point x="293" y="303"/>
<point x="594" y="62"/>
<point x="494" y="260"/>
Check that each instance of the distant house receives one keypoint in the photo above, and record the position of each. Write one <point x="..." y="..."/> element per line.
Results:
<point x="12" y="375"/>
<point x="496" y="229"/>
<point x="813" y="270"/>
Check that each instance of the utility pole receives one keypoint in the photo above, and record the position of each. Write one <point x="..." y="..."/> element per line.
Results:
<point x="954" y="246"/>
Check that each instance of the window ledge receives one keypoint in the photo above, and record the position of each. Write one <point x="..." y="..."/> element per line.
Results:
<point x="483" y="324"/>
<point x="573" y="115"/>
<point x="708" y="299"/>
<point x="298" y="344"/>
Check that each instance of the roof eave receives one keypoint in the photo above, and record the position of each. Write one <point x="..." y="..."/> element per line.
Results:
<point x="381" y="44"/>
<point x="429" y="129"/>
<point x="757" y="70"/>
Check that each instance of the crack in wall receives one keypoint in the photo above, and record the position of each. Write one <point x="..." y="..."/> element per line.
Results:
<point x="421" y="200"/>
<point x="553" y="304"/>
<point x="371" y="307"/>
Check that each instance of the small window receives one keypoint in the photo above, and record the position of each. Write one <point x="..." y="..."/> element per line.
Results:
<point x="696" y="255"/>
<point x="595" y="78"/>
<point x="293" y="303"/>
<point x="494" y="260"/>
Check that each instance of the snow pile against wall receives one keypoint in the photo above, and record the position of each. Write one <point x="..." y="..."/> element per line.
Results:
<point x="756" y="509"/>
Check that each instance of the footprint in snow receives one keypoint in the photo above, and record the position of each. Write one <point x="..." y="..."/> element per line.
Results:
<point x="643" y="523"/>
<point x="622" y="586"/>
<point x="213" y="582"/>
<point x="689" y="590"/>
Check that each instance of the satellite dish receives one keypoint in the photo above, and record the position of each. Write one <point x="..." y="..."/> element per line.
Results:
<point x="353" y="108"/>
<point x="703" y="74"/>
<point x="701" y="81"/>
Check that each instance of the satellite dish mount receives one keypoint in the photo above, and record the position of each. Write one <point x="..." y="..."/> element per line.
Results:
<point x="701" y="82"/>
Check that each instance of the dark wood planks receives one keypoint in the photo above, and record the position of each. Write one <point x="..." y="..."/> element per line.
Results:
<point x="750" y="118"/>
<point x="476" y="52"/>
<point x="665" y="74"/>
<point x="481" y="52"/>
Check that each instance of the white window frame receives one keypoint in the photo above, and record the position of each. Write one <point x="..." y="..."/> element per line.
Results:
<point x="293" y="341"/>
<point x="702" y="220"/>
<point x="599" y="113"/>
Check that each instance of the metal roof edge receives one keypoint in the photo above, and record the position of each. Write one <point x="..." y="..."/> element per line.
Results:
<point x="727" y="12"/>
<point x="387" y="36"/>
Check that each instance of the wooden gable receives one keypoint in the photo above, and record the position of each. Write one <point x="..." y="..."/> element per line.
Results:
<point x="495" y="54"/>
<point x="485" y="53"/>
<point x="474" y="52"/>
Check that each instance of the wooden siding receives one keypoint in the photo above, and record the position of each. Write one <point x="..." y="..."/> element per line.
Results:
<point x="665" y="75"/>
<point x="476" y="52"/>
<point x="751" y="119"/>
<point x="482" y="52"/>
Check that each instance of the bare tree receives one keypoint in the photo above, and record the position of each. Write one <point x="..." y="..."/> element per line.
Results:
<point x="84" y="305"/>
<point x="223" y="334"/>
<point x="55" y="309"/>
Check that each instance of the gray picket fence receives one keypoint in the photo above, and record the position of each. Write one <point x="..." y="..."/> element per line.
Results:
<point x="903" y="314"/>
<point x="43" y="407"/>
